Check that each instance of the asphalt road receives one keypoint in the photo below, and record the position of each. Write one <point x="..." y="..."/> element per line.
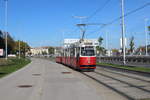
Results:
<point x="45" y="80"/>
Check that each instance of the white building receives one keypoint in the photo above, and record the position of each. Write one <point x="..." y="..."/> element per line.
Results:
<point x="39" y="50"/>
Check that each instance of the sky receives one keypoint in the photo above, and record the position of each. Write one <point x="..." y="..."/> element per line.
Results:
<point x="48" y="22"/>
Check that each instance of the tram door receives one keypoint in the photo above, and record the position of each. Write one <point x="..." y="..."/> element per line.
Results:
<point x="77" y="55"/>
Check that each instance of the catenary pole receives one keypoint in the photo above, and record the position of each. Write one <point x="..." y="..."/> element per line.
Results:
<point x="19" y="49"/>
<point x="123" y="32"/>
<point x="146" y="37"/>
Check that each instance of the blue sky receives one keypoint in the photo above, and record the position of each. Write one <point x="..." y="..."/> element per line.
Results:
<point x="47" y="22"/>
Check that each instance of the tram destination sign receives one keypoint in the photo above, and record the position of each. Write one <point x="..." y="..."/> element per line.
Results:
<point x="68" y="42"/>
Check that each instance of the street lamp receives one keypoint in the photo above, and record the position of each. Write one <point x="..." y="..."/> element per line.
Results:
<point x="6" y="15"/>
<point x="19" y="48"/>
<point x="146" y="37"/>
<point x="106" y="43"/>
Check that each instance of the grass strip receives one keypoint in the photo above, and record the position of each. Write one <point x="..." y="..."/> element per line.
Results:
<point x="3" y="61"/>
<point x="133" y="68"/>
<point x="13" y="66"/>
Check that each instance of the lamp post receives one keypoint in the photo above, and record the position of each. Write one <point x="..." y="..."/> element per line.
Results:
<point x="6" y="16"/>
<point x="19" y="48"/>
<point x="146" y="37"/>
<point x="106" y="43"/>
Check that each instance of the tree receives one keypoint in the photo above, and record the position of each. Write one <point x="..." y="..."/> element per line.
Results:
<point x="2" y="41"/>
<point x="44" y="53"/>
<point x="51" y="50"/>
<point x="24" y="47"/>
<point x="10" y="44"/>
<point x="99" y="48"/>
<point x="149" y="28"/>
<point x="132" y="44"/>
<point x="100" y="40"/>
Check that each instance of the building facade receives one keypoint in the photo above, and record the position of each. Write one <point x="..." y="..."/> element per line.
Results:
<point x="39" y="51"/>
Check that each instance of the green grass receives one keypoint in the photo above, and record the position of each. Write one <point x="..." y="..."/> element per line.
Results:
<point x="4" y="62"/>
<point x="11" y="65"/>
<point x="134" y="68"/>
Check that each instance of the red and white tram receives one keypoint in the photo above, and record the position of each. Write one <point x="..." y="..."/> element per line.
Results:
<point x="80" y="55"/>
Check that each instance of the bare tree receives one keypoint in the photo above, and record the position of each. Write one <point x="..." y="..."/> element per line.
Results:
<point x="132" y="44"/>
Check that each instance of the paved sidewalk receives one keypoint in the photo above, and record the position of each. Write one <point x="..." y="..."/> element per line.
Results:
<point x="48" y="83"/>
<point x="59" y="86"/>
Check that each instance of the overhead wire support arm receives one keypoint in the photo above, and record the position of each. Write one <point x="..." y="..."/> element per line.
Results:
<point x="83" y="30"/>
<point x="129" y="13"/>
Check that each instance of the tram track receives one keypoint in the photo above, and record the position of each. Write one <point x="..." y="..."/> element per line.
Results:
<point x="120" y="92"/>
<point x="115" y="81"/>
<point x="141" y="73"/>
<point x="124" y="82"/>
<point x="128" y="76"/>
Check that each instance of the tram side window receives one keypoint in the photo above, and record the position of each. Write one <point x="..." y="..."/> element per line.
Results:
<point x="77" y="52"/>
<point x="72" y="52"/>
<point x="87" y="51"/>
<point x="63" y="53"/>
